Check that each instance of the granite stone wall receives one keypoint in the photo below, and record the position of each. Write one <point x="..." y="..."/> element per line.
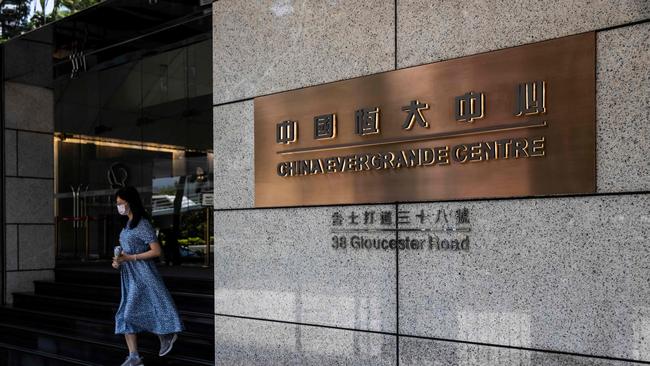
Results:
<point x="29" y="183"/>
<point x="534" y="281"/>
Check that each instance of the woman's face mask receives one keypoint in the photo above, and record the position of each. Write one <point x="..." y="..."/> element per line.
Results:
<point x="122" y="209"/>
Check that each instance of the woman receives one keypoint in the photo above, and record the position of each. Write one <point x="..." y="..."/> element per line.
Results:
<point x="146" y="305"/>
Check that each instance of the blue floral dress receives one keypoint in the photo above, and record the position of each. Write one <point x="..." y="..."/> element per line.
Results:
<point x="146" y="304"/>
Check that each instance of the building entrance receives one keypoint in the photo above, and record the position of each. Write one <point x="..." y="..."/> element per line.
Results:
<point x="147" y="123"/>
<point x="117" y="95"/>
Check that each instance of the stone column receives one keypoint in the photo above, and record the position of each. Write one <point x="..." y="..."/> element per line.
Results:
<point x="28" y="146"/>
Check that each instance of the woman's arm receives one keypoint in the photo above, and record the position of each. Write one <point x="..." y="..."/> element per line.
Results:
<point x="153" y="252"/>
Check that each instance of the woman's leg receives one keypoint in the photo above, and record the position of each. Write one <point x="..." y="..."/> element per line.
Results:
<point x="132" y="342"/>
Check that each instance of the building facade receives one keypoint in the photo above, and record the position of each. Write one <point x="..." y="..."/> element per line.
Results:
<point x="513" y="279"/>
<point x="555" y="280"/>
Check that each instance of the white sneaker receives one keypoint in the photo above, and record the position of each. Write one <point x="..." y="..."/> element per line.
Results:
<point x="166" y="343"/>
<point x="133" y="361"/>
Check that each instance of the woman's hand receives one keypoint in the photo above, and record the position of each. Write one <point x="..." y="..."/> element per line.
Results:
<point x="115" y="263"/>
<point x="123" y="258"/>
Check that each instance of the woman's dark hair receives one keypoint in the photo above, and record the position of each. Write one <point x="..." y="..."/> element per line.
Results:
<point x="131" y="195"/>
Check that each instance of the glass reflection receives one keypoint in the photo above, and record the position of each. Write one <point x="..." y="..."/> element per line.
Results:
<point x="146" y="123"/>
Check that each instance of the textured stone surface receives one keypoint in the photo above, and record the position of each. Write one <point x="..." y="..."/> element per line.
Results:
<point x="24" y="281"/>
<point x="623" y="109"/>
<point x="29" y="107"/>
<point x="11" y="237"/>
<point x="36" y="246"/>
<point x="255" y="342"/>
<point x="280" y="264"/>
<point x="11" y="160"/>
<point x="262" y="47"/>
<point x="234" y="175"/>
<point x="29" y="201"/>
<point x="564" y="274"/>
<point x="35" y="155"/>
<point x="429" y="31"/>
<point x="425" y="352"/>
<point x="28" y="59"/>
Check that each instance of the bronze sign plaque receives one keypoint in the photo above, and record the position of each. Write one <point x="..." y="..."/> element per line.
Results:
<point x="508" y="123"/>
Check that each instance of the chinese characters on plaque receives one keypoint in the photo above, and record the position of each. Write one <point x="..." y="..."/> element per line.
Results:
<point x="468" y="108"/>
<point x="529" y="100"/>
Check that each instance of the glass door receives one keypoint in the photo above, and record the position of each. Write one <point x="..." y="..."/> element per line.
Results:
<point x="145" y="123"/>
